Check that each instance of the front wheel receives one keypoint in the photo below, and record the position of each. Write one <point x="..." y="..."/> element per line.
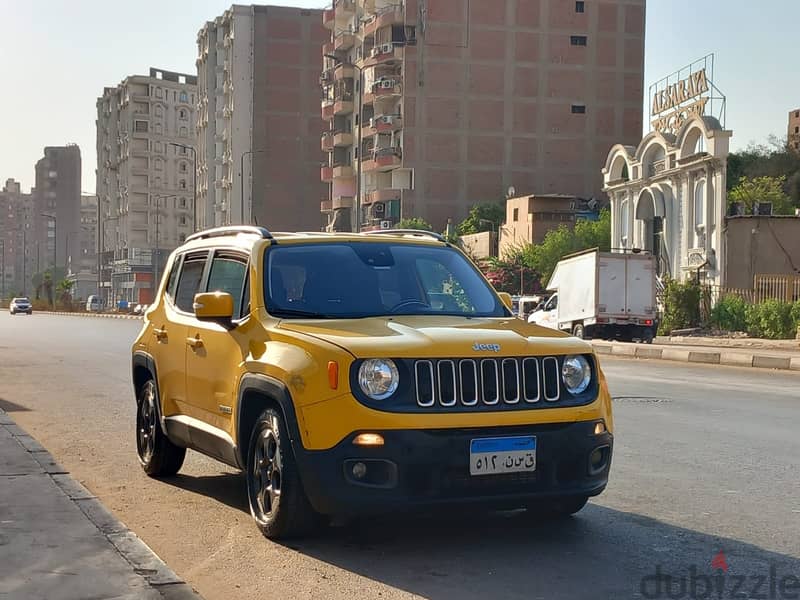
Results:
<point x="558" y="507"/>
<point x="278" y="502"/>
<point x="157" y="454"/>
<point x="578" y="331"/>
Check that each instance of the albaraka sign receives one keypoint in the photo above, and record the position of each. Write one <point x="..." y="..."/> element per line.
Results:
<point x="674" y="103"/>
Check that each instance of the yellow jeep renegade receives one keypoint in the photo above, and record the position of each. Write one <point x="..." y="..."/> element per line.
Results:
<point x="352" y="373"/>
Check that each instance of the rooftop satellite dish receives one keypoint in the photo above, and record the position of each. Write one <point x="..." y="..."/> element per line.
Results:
<point x="511" y="192"/>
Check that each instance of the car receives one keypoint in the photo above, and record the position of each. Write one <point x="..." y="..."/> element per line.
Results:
<point x="94" y="304"/>
<point x="20" y="305"/>
<point x="355" y="374"/>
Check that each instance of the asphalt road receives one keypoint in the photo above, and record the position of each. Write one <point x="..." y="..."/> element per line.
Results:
<point x="706" y="460"/>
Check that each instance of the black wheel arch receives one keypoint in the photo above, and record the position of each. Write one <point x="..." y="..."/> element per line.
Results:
<point x="256" y="394"/>
<point x="143" y="369"/>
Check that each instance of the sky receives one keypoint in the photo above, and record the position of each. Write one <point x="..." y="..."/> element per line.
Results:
<point x="57" y="55"/>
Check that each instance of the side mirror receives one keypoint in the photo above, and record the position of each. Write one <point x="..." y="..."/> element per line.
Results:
<point x="214" y="306"/>
<point x="506" y="298"/>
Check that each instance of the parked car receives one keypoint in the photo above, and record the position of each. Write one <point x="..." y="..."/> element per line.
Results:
<point x="94" y="304"/>
<point x="416" y="386"/>
<point x="20" y="305"/>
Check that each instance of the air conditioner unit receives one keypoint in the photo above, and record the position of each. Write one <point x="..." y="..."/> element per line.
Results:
<point x="378" y="208"/>
<point x="375" y="51"/>
<point x="387" y="48"/>
<point x="387" y="84"/>
<point x="386" y="224"/>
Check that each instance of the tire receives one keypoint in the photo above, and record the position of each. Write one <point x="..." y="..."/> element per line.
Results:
<point x="158" y="456"/>
<point x="647" y="336"/>
<point x="578" y="331"/>
<point x="275" y="492"/>
<point x="558" y="508"/>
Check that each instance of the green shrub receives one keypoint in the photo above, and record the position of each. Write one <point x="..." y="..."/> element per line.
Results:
<point x="681" y="306"/>
<point x="730" y="313"/>
<point x="796" y="314"/>
<point x="771" y="319"/>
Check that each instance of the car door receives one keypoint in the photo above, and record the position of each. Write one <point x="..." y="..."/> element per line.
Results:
<point x="214" y="352"/>
<point x="550" y="318"/>
<point x="171" y="320"/>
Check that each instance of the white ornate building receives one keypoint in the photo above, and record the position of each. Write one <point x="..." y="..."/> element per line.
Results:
<point x="668" y="197"/>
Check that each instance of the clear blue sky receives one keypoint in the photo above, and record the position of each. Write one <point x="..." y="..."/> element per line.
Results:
<point x="57" y="55"/>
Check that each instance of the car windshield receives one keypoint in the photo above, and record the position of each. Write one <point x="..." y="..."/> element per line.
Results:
<point x="366" y="279"/>
<point x="20" y="300"/>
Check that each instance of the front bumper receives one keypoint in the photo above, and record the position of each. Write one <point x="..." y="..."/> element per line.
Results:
<point x="417" y="468"/>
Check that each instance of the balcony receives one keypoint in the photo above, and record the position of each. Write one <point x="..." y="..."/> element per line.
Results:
<point x="383" y="159"/>
<point x="327" y="48"/>
<point x="384" y="195"/>
<point x="342" y="202"/>
<point x="329" y="18"/>
<point x="386" y="86"/>
<point x="326" y="174"/>
<point x="345" y="9"/>
<point x="336" y="139"/>
<point x="327" y="110"/>
<point x="326" y="206"/>
<point x="384" y="54"/>
<point x="344" y="41"/>
<point x="327" y="141"/>
<point x="343" y="107"/>
<point x="344" y="71"/>
<point x="342" y="171"/>
<point x="385" y="17"/>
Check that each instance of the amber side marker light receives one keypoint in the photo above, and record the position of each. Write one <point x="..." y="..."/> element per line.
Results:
<point x="599" y="428"/>
<point x="333" y="374"/>
<point x="368" y="439"/>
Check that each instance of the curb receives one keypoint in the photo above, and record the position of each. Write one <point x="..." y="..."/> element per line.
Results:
<point x="86" y="314"/>
<point x="139" y="555"/>
<point x="723" y="357"/>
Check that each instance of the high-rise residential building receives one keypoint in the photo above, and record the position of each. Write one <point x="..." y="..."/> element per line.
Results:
<point x="17" y="262"/>
<point x="83" y="268"/>
<point x="456" y="102"/>
<point x="793" y="136"/>
<point x="145" y="178"/>
<point x="57" y="205"/>
<point x="258" y="118"/>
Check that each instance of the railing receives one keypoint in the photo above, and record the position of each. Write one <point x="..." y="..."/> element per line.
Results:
<point x="777" y="287"/>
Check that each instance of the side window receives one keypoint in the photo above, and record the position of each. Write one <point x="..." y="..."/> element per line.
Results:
<point x="227" y="275"/>
<point x="189" y="282"/>
<point x="172" y="282"/>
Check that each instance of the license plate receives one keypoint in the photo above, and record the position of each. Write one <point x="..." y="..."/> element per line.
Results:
<point x="493" y="456"/>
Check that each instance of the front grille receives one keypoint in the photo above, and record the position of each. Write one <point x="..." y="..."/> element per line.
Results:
<point x="487" y="382"/>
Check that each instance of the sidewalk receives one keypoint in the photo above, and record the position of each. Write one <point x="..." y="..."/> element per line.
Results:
<point x="719" y="354"/>
<point x="57" y="542"/>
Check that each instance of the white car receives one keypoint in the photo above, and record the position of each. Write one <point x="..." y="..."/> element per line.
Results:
<point x="20" y="305"/>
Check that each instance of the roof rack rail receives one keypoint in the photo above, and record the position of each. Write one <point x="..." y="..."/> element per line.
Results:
<point x="420" y="232"/>
<point x="230" y="230"/>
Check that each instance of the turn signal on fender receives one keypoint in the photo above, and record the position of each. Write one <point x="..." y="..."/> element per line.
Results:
<point x="333" y="374"/>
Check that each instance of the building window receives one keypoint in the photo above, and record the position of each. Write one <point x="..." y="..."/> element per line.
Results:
<point x="159" y="129"/>
<point x="578" y="109"/>
<point x="182" y="114"/>
<point x="182" y="238"/>
<point x="183" y="168"/>
<point x="797" y="129"/>
<point x="183" y="219"/>
<point x="182" y="202"/>
<point x="580" y="6"/>
<point x="516" y="214"/>
<point x="184" y="97"/>
<point x="184" y="132"/>
<point x="159" y="111"/>
<point x="140" y="126"/>
<point x="699" y="204"/>
<point x="624" y="213"/>
<point x="577" y="40"/>
<point x="183" y="184"/>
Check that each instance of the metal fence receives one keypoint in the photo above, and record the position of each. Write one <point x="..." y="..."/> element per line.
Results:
<point x="777" y="287"/>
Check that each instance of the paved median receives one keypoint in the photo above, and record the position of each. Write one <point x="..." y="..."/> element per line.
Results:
<point x="734" y="357"/>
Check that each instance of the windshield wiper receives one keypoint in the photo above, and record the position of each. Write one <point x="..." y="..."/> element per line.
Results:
<point x="292" y="312"/>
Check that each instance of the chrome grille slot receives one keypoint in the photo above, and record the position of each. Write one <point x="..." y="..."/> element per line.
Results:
<point x="423" y="374"/>
<point x="510" y="367"/>
<point x="490" y="381"/>
<point x="530" y="377"/>
<point x="448" y="392"/>
<point x="551" y="377"/>
<point x="468" y="376"/>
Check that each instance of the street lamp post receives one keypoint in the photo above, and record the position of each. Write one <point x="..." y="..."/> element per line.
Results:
<point x="3" y="263"/>
<point x="194" y="180"/>
<point x="241" y="183"/>
<point x="339" y="61"/>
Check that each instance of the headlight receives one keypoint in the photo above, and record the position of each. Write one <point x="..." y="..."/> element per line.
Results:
<point x="378" y="378"/>
<point x="576" y="373"/>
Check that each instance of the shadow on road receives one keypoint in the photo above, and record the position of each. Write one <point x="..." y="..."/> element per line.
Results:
<point x="9" y="406"/>
<point x="600" y="553"/>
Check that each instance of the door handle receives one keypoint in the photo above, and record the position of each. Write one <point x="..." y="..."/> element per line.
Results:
<point x="194" y="342"/>
<point x="161" y="334"/>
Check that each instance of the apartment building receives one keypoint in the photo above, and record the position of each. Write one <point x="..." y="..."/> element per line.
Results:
<point x="145" y="178"/>
<point x="258" y="118"/>
<point x="82" y="268"/>
<point x="57" y="207"/>
<point x="455" y="102"/>
<point x="17" y="262"/>
<point x="793" y="136"/>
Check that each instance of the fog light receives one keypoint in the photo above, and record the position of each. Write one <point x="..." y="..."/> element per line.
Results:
<point x="599" y="428"/>
<point x="359" y="470"/>
<point x="368" y="439"/>
<point x="595" y="459"/>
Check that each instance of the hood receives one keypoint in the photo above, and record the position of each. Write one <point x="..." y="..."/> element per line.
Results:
<point x="438" y="337"/>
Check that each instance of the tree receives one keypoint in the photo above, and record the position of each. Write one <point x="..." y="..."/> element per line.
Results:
<point x="414" y="223"/>
<point x="773" y="159"/>
<point x="560" y="242"/>
<point x="483" y="217"/>
<point x="751" y="191"/>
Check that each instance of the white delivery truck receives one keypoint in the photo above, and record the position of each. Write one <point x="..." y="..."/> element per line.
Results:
<point x="602" y="295"/>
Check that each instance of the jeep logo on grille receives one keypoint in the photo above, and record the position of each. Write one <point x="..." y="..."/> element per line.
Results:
<point x="486" y="347"/>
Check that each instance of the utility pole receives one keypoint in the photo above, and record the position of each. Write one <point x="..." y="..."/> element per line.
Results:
<point x="3" y="260"/>
<point x="155" y="264"/>
<point x="24" y="260"/>
<point x="241" y="183"/>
